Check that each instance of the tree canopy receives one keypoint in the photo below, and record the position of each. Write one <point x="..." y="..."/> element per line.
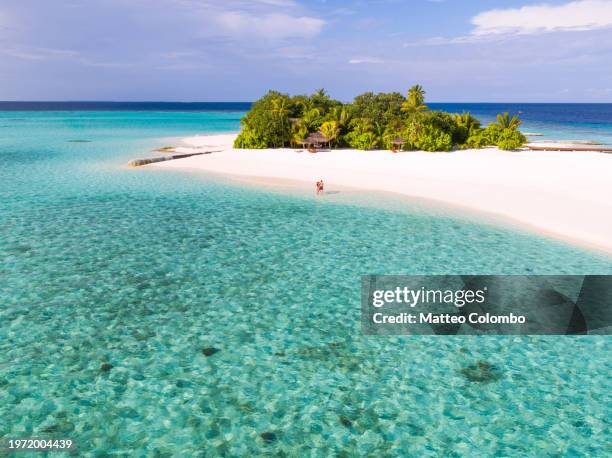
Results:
<point x="370" y="121"/>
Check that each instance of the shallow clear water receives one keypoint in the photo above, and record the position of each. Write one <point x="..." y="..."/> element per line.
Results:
<point x="142" y="269"/>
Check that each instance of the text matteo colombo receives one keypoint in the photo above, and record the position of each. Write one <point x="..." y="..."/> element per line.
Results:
<point x="413" y="297"/>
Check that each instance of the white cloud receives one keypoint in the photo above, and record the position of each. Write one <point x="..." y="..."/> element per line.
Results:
<point x="574" y="16"/>
<point x="502" y="25"/>
<point x="247" y="20"/>
<point x="272" y="26"/>
<point x="365" y="60"/>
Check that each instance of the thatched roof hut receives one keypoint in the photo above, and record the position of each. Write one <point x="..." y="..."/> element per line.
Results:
<point x="315" y="139"/>
<point x="396" y="144"/>
<point x="398" y="141"/>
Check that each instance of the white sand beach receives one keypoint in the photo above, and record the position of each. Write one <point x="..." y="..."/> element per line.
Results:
<point x="566" y="195"/>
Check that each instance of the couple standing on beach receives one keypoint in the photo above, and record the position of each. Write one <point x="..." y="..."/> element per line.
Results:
<point x="319" y="186"/>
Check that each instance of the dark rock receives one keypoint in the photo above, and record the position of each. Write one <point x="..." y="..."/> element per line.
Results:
<point x="346" y="422"/>
<point x="106" y="367"/>
<point x="62" y="428"/>
<point x="268" y="436"/>
<point x="51" y="428"/>
<point x="481" y="372"/>
<point x="209" y="351"/>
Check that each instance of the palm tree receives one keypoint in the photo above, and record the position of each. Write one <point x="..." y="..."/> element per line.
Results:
<point x="468" y="121"/>
<point x="279" y="105"/>
<point x="319" y="99"/>
<point x="330" y="130"/>
<point x="341" y="116"/>
<point x="361" y="126"/>
<point x="370" y="140"/>
<point x="416" y="95"/>
<point x="298" y="134"/>
<point x="311" y="119"/>
<point x="321" y="93"/>
<point x="304" y="103"/>
<point x="415" y="100"/>
<point x="280" y="109"/>
<point x="379" y="130"/>
<point x="506" y="122"/>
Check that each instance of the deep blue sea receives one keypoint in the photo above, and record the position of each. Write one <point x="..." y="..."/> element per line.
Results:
<point x="557" y="121"/>
<point x="115" y="279"/>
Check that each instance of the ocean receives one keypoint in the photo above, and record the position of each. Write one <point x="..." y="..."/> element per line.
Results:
<point x="114" y="281"/>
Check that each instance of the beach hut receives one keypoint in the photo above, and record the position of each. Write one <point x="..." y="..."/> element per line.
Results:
<point x="396" y="144"/>
<point x="314" y="141"/>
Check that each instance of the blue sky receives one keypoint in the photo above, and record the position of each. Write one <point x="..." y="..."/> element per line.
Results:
<point x="235" y="50"/>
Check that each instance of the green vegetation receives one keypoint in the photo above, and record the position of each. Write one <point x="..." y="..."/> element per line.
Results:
<point x="371" y="121"/>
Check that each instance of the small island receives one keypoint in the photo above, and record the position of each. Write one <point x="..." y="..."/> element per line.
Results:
<point x="371" y="121"/>
<point x="492" y="171"/>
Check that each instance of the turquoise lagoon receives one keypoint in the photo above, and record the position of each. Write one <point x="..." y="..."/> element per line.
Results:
<point x="115" y="279"/>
